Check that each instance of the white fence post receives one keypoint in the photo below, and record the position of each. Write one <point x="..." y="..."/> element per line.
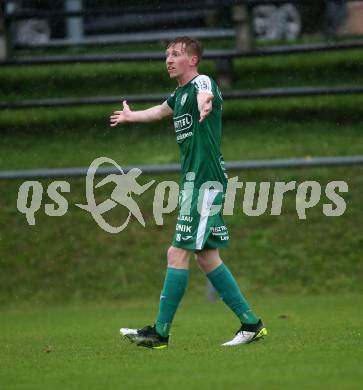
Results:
<point x="74" y="25"/>
<point x="241" y="18"/>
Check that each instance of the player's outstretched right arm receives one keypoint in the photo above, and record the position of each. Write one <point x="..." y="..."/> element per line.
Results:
<point x="150" y="115"/>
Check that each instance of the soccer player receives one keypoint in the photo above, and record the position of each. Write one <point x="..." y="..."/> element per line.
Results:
<point x="196" y="107"/>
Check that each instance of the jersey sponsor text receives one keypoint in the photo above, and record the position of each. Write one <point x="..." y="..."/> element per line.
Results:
<point x="183" y="122"/>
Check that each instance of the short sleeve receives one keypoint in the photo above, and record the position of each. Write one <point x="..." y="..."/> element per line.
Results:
<point x="171" y="100"/>
<point x="203" y="84"/>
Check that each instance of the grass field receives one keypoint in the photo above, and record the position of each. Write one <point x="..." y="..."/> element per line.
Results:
<point x="70" y="258"/>
<point x="313" y="343"/>
<point x="66" y="287"/>
<point x="84" y="262"/>
<point x="122" y="79"/>
<point x="252" y="130"/>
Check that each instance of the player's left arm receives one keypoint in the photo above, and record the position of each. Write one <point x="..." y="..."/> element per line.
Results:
<point x="205" y="95"/>
<point x="205" y="103"/>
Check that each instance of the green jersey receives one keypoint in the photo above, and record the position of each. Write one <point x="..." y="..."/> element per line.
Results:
<point x="199" y="142"/>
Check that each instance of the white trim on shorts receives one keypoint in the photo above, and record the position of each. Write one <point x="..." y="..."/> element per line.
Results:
<point x="208" y="199"/>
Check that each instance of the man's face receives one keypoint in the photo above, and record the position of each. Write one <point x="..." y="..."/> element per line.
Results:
<point x="178" y="62"/>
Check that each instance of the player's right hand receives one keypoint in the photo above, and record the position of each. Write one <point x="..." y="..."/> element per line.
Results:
<point x="119" y="117"/>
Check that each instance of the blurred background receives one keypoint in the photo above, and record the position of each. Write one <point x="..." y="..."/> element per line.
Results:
<point x="46" y="23"/>
<point x="292" y="80"/>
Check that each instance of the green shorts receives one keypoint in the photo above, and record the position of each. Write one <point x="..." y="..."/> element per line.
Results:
<point x="200" y="224"/>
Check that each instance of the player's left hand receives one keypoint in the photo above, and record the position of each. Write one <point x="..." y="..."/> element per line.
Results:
<point x="206" y="107"/>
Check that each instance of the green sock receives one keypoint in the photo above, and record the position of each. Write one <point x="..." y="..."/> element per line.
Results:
<point x="226" y="286"/>
<point x="175" y="283"/>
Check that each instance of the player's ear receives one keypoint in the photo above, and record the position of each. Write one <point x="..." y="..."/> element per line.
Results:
<point x="194" y="60"/>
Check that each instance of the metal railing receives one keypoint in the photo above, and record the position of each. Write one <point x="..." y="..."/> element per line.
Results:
<point x="153" y="98"/>
<point x="109" y="11"/>
<point x="211" y="6"/>
<point x="174" y="168"/>
<point x="160" y="56"/>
